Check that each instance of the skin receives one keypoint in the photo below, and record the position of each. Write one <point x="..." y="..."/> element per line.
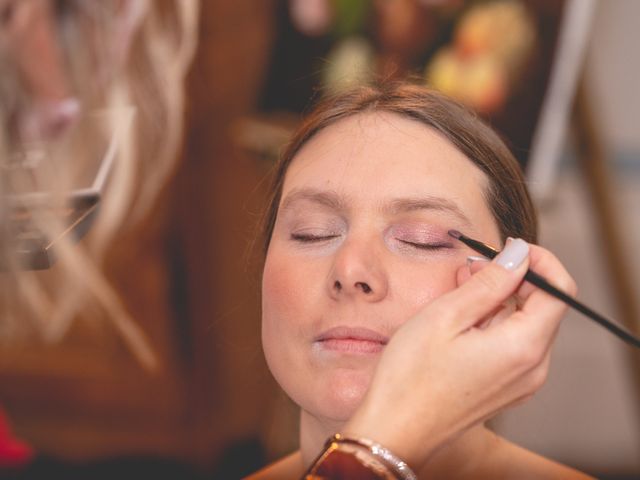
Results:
<point x="368" y="240"/>
<point x="361" y="243"/>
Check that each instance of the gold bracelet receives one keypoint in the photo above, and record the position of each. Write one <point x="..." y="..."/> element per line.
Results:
<point x="392" y="462"/>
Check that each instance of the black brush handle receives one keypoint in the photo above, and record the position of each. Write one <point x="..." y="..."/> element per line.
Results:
<point x="540" y="282"/>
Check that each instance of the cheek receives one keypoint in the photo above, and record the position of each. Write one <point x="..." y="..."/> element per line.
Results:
<point x="420" y="285"/>
<point x="278" y="293"/>
<point x="285" y="299"/>
<point x="285" y="283"/>
<point x="277" y="309"/>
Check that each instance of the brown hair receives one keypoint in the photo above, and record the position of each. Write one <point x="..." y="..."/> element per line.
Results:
<point x="507" y="195"/>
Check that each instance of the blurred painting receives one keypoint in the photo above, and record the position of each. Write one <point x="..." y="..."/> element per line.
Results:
<point x="494" y="56"/>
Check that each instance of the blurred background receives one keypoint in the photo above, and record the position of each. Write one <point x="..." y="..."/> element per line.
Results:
<point x="557" y="78"/>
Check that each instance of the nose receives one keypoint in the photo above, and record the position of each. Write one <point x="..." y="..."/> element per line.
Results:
<point x="358" y="272"/>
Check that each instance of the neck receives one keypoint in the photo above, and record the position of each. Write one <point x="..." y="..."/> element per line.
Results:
<point x="314" y="432"/>
<point x="465" y="454"/>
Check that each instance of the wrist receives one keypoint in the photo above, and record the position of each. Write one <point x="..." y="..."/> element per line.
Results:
<point x="407" y="439"/>
<point x="352" y="458"/>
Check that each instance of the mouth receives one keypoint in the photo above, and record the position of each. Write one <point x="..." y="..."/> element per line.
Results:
<point x="354" y="340"/>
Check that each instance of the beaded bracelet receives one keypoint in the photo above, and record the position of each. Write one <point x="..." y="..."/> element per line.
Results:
<point x="399" y="467"/>
<point x="357" y="458"/>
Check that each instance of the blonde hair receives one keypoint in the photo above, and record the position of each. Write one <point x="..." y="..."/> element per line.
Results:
<point x="151" y="81"/>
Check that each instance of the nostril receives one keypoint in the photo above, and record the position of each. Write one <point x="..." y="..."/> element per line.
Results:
<point x="365" y="288"/>
<point x="337" y="285"/>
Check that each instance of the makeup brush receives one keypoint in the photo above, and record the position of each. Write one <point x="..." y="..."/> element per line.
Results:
<point x="540" y="282"/>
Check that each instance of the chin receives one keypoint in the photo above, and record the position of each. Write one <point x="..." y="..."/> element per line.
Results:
<point x="341" y="395"/>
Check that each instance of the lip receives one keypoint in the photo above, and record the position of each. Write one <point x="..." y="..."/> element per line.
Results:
<point x="355" y="340"/>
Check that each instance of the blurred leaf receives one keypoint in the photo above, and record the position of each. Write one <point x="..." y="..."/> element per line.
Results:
<point x="350" y="16"/>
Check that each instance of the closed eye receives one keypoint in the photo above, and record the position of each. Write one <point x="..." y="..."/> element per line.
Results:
<point x="427" y="246"/>
<point x="307" y="238"/>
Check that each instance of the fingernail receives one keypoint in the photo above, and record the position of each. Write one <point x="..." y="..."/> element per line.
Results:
<point x="513" y="254"/>
<point x="475" y="258"/>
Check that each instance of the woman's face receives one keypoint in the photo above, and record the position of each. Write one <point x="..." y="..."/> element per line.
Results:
<point x="359" y="246"/>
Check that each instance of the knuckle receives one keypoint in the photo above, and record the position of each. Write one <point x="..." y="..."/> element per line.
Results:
<point x="537" y="379"/>
<point x="537" y="353"/>
<point x="523" y="353"/>
<point x="524" y="399"/>
<point x="529" y="357"/>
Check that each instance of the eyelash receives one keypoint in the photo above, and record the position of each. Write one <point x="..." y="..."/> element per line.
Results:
<point x="306" y="238"/>
<point x="426" y="246"/>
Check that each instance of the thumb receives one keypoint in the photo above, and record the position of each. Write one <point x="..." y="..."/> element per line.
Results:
<point x="486" y="289"/>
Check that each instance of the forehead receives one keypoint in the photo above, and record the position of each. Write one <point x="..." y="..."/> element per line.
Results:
<point x="372" y="156"/>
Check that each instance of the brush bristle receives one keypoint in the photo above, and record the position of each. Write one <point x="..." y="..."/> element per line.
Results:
<point x="455" y="234"/>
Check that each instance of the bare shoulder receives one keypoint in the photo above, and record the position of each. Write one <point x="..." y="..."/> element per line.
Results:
<point x="517" y="462"/>
<point x="289" y="467"/>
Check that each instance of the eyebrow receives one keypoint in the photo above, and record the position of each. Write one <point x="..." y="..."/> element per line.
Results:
<point x="334" y="201"/>
<point x="328" y="198"/>
<point x="428" y="202"/>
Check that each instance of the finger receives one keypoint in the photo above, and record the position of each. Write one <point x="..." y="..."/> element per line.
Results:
<point x="463" y="274"/>
<point x="546" y="310"/>
<point x="485" y="290"/>
<point x="547" y="265"/>
<point x="473" y="265"/>
<point x="508" y="307"/>
<point x="545" y="313"/>
<point x="526" y="342"/>
<point x="499" y="314"/>
<point x="533" y="382"/>
<point x="505" y="309"/>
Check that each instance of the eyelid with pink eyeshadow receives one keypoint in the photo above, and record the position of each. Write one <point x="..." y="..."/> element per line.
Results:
<point x="421" y="236"/>
<point x="314" y="229"/>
